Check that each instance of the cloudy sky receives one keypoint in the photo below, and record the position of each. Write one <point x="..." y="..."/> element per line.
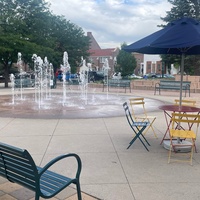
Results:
<point x="113" y="22"/>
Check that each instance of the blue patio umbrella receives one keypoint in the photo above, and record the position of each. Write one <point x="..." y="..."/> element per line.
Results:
<point x="181" y="37"/>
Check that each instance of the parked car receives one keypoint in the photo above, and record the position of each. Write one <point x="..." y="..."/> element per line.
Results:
<point x="2" y="79"/>
<point x="150" y="75"/>
<point x="68" y="76"/>
<point x="158" y="75"/>
<point x="134" y="76"/>
<point x="95" y="76"/>
<point x="168" y="76"/>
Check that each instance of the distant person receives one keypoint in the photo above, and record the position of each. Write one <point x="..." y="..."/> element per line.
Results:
<point x="145" y="77"/>
<point x="59" y="76"/>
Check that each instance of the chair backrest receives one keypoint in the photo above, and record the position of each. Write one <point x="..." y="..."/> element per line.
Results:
<point x="185" y="118"/>
<point x="18" y="166"/>
<point x="135" y="102"/>
<point x="128" y="113"/>
<point x="185" y="102"/>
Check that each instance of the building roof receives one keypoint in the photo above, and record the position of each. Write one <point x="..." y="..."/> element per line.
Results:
<point x="93" y="42"/>
<point x="102" y="52"/>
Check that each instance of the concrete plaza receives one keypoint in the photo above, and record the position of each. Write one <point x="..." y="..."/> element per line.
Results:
<point x="110" y="171"/>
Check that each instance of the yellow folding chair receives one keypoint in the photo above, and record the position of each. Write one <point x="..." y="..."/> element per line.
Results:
<point x="185" y="102"/>
<point x="182" y="141"/>
<point x="134" y="102"/>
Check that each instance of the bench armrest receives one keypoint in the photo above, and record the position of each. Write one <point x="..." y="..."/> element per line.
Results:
<point x="187" y="85"/>
<point x="157" y="85"/>
<point x="48" y="165"/>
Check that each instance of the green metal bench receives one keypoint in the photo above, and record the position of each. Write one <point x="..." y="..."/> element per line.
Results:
<point x="172" y="85"/>
<point x="25" y="82"/>
<point x="18" y="166"/>
<point x="74" y="81"/>
<point x="117" y="83"/>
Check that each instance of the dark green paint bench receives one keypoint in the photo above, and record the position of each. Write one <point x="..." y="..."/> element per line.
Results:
<point x="172" y="85"/>
<point x="117" y="83"/>
<point x="18" y="166"/>
<point x="24" y="83"/>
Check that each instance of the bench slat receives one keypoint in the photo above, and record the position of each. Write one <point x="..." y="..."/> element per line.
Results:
<point x="16" y="161"/>
<point x="24" y="181"/>
<point x="15" y="170"/>
<point x="22" y="164"/>
<point x="51" y="181"/>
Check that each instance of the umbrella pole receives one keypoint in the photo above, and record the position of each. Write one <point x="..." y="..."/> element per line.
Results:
<point x="180" y="99"/>
<point x="182" y="71"/>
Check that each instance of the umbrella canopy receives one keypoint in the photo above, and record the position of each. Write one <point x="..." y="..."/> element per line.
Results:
<point x="181" y="37"/>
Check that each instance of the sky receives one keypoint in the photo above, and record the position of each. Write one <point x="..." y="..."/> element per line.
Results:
<point x="113" y="22"/>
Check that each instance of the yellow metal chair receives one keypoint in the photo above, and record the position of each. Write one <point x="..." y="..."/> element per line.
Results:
<point x="134" y="102"/>
<point x="183" y="138"/>
<point x="185" y="102"/>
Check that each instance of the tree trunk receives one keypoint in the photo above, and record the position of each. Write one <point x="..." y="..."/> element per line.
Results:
<point x="6" y="75"/>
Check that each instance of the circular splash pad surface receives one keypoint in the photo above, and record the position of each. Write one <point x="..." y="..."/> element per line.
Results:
<point x="70" y="106"/>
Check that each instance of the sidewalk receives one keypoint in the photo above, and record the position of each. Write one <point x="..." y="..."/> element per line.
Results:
<point x="110" y="171"/>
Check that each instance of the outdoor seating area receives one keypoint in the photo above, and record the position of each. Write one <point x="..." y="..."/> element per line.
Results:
<point x="110" y="171"/>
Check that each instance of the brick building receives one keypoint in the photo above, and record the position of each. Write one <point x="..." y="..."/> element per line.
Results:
<point x="145" y="63"/>
<point x="97" y="55"/>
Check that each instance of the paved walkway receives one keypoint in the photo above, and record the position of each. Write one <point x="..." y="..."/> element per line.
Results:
<point x="110" y="171"/>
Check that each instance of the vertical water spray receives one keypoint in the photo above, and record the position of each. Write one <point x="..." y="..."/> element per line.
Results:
<point x="19" y="64"/>
<point x="66" y="69"/>
<point x="84" y="80"/>
<point x="38" y="69"/>
<point x="51" y="78"/>
<point x="105" y="70"/>
<point x="12" y="80"/>
<point x="46" y="81"/>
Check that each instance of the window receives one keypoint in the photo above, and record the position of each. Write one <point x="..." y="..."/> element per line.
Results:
<point x="158" y="67"/>
<point x="102" y="59"/>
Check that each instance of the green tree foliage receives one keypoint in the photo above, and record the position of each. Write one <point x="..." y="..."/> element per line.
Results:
<point x="180" y="8"/>
<point x="70" y="37"/>
<point x="28" y="26"/>
<point x="126" y="62"/>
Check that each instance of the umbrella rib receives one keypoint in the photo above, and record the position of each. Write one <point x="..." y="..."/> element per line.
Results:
<point x="184" y="50"/>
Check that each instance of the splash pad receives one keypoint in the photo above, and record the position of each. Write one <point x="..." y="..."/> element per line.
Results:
<point x="96" y="105"/>
<point x="43" y="101"/>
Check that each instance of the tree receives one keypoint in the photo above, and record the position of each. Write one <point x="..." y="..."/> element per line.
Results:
<point x="126" y="62"/>
<point x="181" y="8"/>
<point x="28" y="26"/>
<point x="70" y="37"/>
<point x="170" y="59"/>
